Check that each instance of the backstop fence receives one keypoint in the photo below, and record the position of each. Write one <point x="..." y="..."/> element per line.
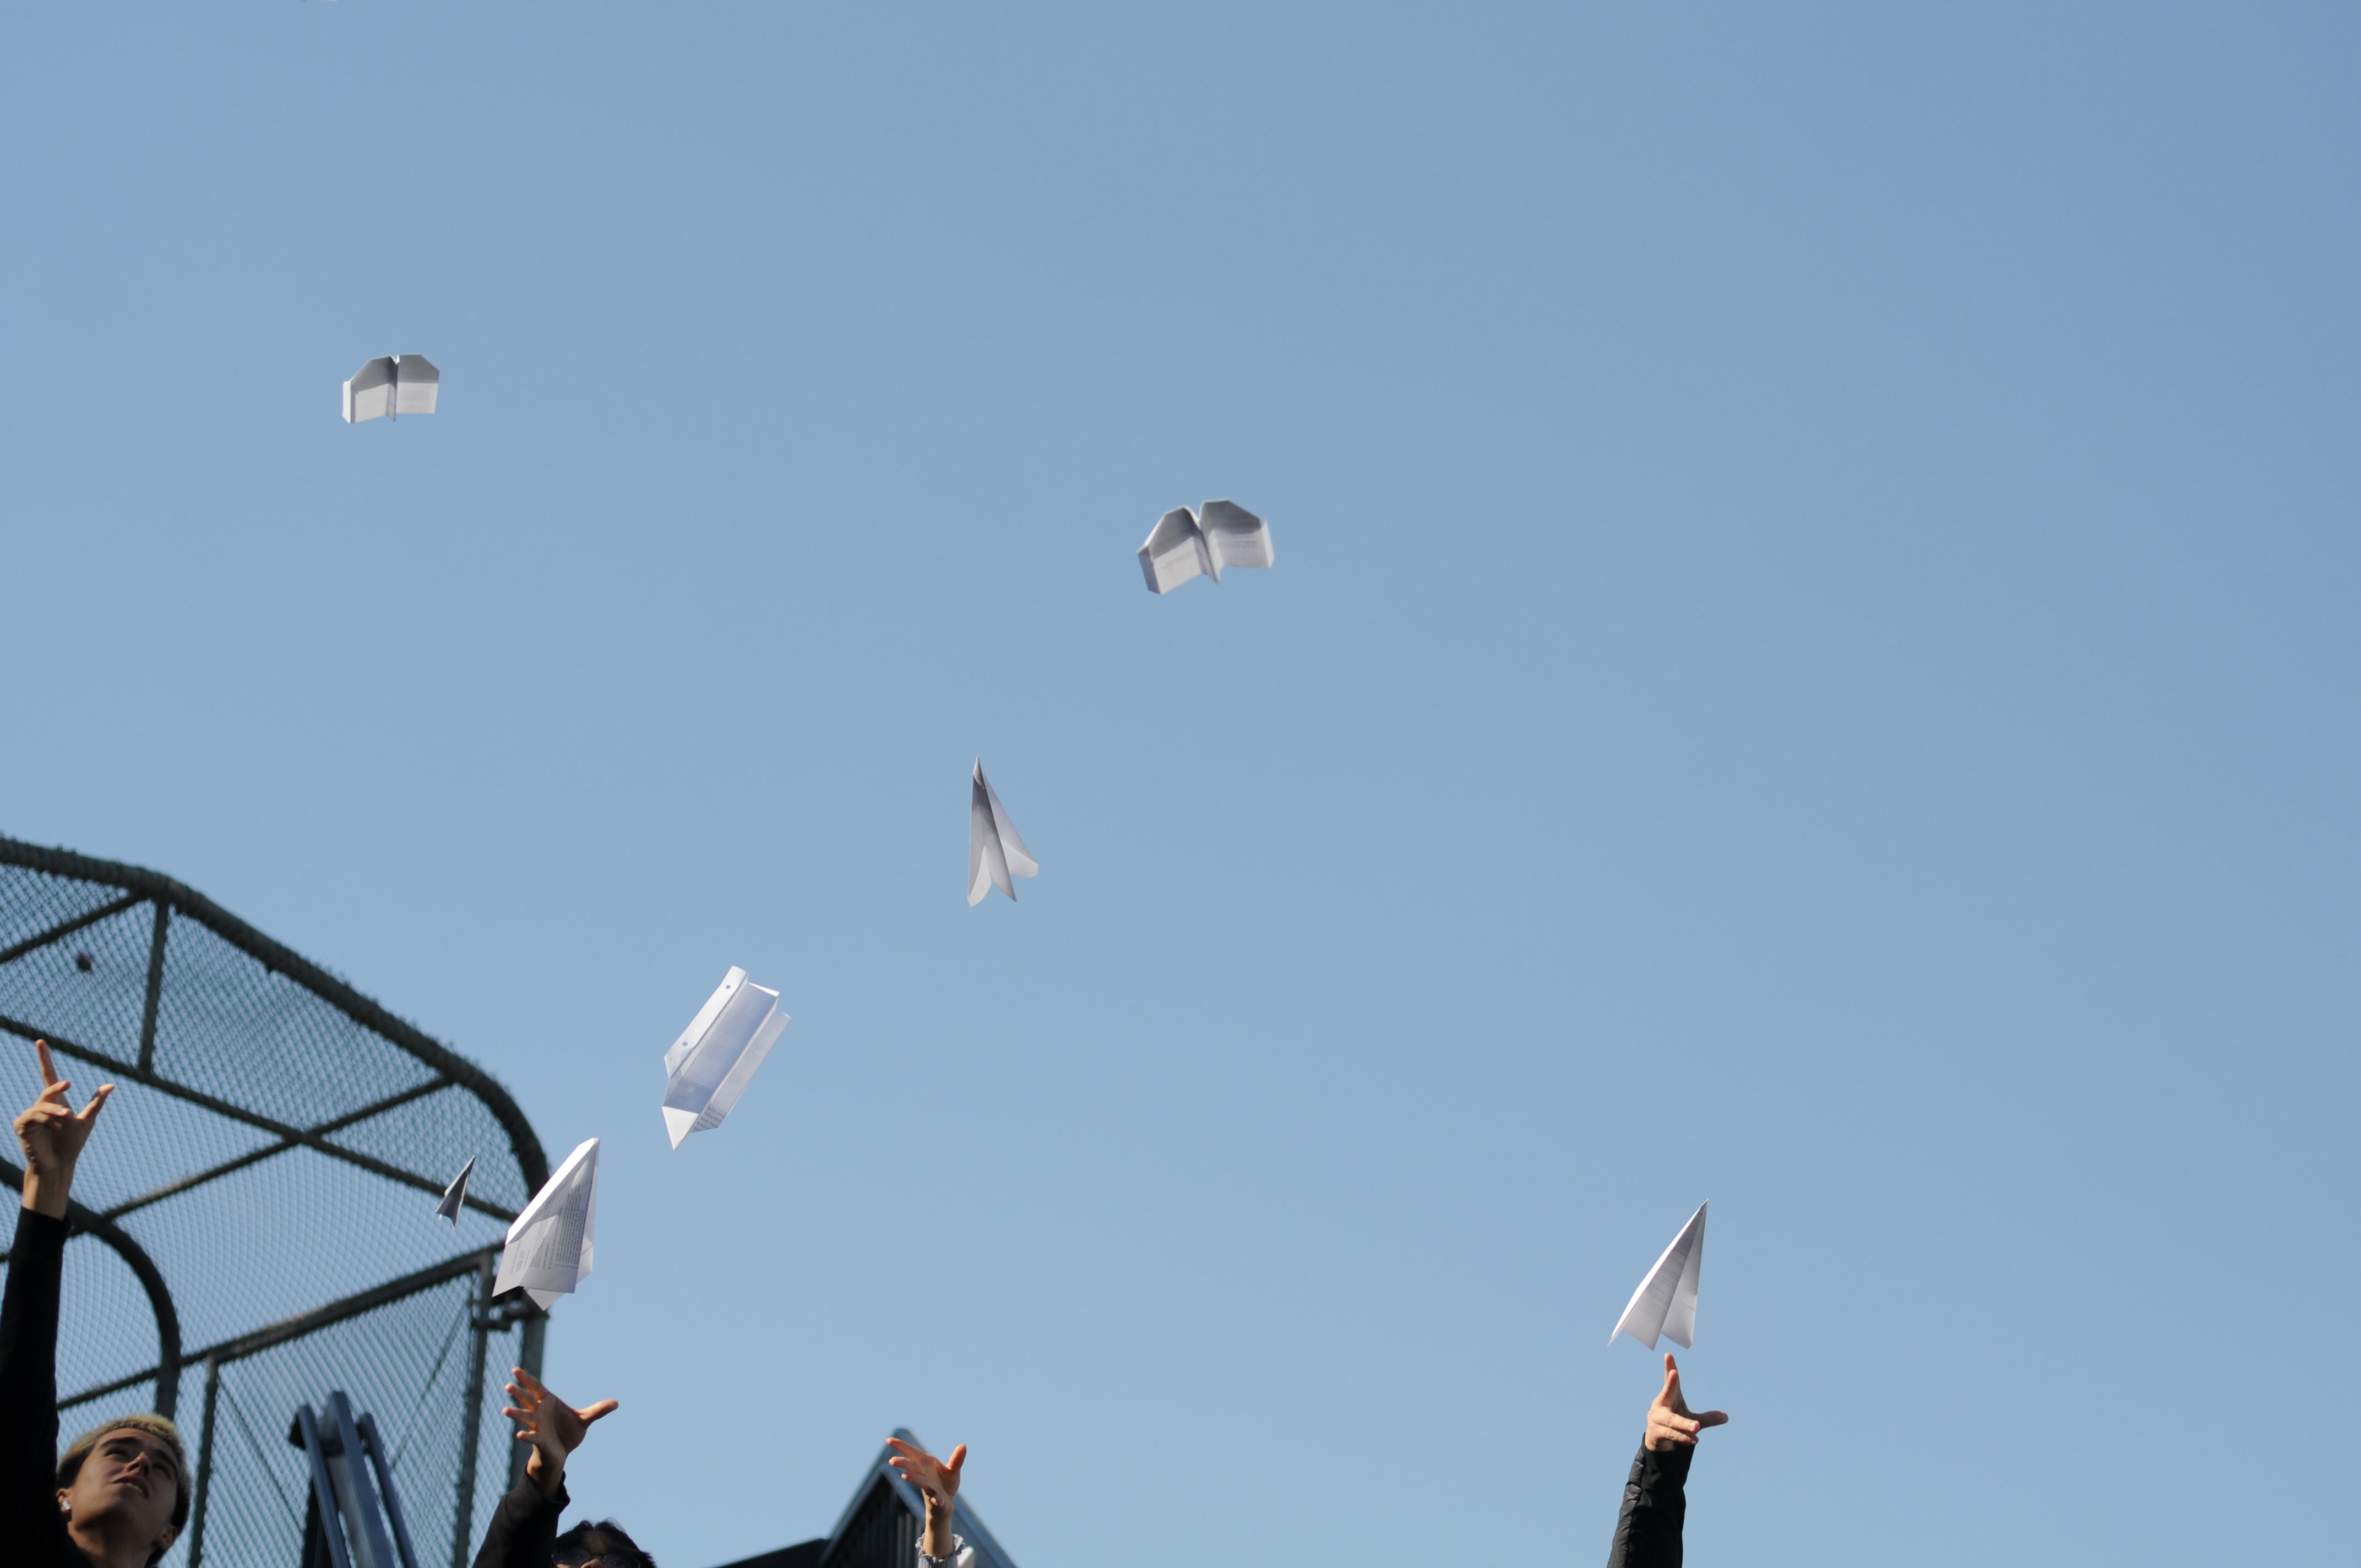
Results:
<point x="254" y="1220"/>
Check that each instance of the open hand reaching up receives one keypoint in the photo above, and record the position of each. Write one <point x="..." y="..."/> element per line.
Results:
<point x="52" y="1133"/>
<point x="1670" y="1420"/>
<point x="939" y="1479"/>
<point x="554" y="1428"/>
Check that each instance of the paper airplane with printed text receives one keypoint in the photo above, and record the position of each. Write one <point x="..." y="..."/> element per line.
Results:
<point x="549" y="1246"/>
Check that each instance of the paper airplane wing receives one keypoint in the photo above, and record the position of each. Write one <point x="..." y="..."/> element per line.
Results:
<point x="1680" y="1322"/>
<point x="370" y="394"/>
<point x="414" y="382"/>
<point x="549" y="1246"/>
<point x="695" y="1075"/>
<point x="1013" y="852"/>
<point x="680" y="1049"/>
<point x="1235" y="536"/>
<point x="1174" y="551"/>
<point x="725" y="1095"/>
<point x="1665" y="1302"/>
<point x="987" y="868"/>
<point x="457" y="1193"/>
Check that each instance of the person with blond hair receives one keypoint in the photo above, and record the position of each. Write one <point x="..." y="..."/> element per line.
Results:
<point x="119" y="1496"/>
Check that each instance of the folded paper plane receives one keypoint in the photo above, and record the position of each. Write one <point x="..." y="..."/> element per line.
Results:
<point x="1184" y="544"/>
<point x="396" y="385"/>
<point x="708" y="1068"/>
<point x="993" y="848"/>
<point x="548" y="1251"/>
<point x="456" y="1194"/>
<point x="1665" y="1302"/>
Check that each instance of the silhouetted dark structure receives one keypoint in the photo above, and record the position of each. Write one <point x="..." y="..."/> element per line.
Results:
<point x="880" y="1527"/>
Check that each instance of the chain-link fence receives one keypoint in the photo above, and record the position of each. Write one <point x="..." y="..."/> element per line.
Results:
<point x="254" y="1221"/>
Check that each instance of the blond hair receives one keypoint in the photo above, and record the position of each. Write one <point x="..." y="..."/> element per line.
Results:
<point x="69" y="1463"/>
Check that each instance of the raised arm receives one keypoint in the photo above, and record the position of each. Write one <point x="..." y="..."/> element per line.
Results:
<point x="938" y="1481"/>
<point x="523" y="1530"/>
<point x="50" y="1133"/>
<point x="1648" y="1530"/>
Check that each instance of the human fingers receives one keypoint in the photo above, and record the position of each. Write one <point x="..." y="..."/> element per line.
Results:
<point x="48" y="1065"/>
<point x="898" y="1446"/>
<point x="1714" y="1418"/>
<point x="89" y="1112"/>
<point x="958" y="1458"/>
<point x="540" y="1390"/>
<point x="603" y="1408"/>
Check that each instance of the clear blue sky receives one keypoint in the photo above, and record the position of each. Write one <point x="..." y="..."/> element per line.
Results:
<point x="1810" y="665"/>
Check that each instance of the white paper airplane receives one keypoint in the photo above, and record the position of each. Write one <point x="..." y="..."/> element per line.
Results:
<point x="456" y="1194"/>
<point x="401" y="384"/>
<point x="1184" y="544"/>
<point x="549" y="1246"/>
<point x="708" y="1068"/>
<point x="1665" y="1302"/>
<point x="994" y="850"/>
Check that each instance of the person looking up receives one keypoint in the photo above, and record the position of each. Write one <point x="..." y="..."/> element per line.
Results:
<point x="1648" y="1530"/>
<point x="119" y="1496"/>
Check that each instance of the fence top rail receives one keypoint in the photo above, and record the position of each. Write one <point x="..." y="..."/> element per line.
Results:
<point x="181" y="899"/>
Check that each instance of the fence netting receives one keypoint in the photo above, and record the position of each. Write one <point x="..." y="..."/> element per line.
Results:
<point x="254" y="1220"/>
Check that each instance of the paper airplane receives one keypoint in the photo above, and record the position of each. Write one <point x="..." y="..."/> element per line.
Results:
<point x="456" y="1194"/>
<point x="708" y="1068"/>
<point x="548" y="1251"/>
<point x="401" y="384"/>
<point x="1665" y="1302"/>
<point x="1184" y="544"/>
<point x="994" y="850"/>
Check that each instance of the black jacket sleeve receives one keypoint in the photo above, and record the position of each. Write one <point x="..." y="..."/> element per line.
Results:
<point x="1648" y="1532"/>
<point x="32" y="1531"/>
<point x="523" y="1532"/>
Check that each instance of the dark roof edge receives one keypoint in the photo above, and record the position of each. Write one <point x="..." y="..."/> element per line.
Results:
<point x="185" y="900"/>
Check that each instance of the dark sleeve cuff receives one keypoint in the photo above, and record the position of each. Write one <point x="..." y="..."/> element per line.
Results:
<point x="36" y="1231"/>
<point x="1648" y="1530"/>
<point x="1657" y="1469"/>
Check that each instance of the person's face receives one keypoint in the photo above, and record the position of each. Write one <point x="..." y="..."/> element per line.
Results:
<point x="128" y="1484"/>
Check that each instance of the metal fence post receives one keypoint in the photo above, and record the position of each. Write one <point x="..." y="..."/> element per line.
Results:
<point x="463" y="1526"/>
<point x="204" y="1463"/>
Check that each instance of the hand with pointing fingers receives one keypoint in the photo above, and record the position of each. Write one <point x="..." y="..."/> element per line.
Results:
<point x="554" y="1428"/>
<point x="1671" y="1423"/>
<point x="51" y="1134"/>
